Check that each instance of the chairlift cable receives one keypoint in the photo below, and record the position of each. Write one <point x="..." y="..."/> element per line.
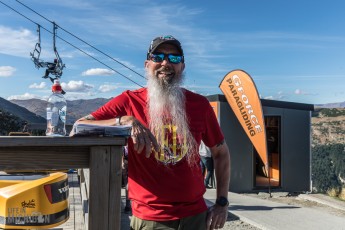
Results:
<point x="73" y="45"/>
<point x="95" y="59"/>
<point x="107" y="55"/>
<point x="102" y="52"/>
<point x="19" y="13"/>
<point x="100" y="61"/>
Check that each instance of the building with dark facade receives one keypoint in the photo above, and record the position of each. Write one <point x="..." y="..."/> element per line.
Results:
<point x="288" y="130"/>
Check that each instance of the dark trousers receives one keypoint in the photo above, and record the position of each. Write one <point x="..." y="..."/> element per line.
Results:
<point x="197" y="222"/>
<point x="207" y="164"/>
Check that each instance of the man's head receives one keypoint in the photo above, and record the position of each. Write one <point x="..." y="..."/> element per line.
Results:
<point x="166" y="99"/>
<point x="165" y="61"/>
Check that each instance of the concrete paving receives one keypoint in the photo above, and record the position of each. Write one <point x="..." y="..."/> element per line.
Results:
<point x="266" y="214"/>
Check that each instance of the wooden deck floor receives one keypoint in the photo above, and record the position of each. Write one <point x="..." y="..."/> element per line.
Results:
<point x="75" y="221"/>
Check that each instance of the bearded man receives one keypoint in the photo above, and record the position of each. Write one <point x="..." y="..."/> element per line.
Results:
<point x="165" y="181"/>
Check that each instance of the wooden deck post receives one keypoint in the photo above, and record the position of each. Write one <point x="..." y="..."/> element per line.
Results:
<point x="105" y="177"/>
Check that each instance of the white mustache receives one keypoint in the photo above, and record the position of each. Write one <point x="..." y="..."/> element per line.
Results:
<point x="166" y="70"/>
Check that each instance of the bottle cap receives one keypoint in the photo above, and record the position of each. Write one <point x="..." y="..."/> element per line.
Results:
<point x="56" y="86"/>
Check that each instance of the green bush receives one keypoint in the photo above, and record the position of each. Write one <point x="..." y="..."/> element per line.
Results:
<point x="325" y="112"/>
<point x="328" y="162"/>
<point x="10" y="123"/>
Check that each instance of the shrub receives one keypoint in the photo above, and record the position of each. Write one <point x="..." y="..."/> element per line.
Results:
<point x="327" y="164"/>
<point x="12" y="123"/>
<point x="333" y="192"/>
<point x="341" y="195"/>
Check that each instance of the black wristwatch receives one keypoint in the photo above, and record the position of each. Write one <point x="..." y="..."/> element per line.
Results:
<point x="222" y="201"/>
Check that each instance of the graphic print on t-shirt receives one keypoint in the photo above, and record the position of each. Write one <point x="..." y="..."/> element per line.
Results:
<point x="173" y="148"/>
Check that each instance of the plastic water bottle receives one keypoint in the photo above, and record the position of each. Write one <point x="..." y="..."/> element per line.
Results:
<point x="56" y="112"/>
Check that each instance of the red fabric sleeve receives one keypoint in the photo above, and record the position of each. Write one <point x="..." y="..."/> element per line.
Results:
<point x="113" y="108"/>
<point x="213" y="134"/>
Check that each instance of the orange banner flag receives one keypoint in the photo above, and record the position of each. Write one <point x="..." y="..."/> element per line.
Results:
<point x="241" y="93"/>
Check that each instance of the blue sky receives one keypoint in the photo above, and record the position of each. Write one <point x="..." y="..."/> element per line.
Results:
<point x="294" y="50"/>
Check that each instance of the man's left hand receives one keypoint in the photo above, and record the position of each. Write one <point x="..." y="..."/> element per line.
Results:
<point x="216" y="217"/>
<point x="142" y="137"/>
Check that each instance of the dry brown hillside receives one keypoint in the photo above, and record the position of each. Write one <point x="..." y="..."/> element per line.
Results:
<point x="328" y="126"/>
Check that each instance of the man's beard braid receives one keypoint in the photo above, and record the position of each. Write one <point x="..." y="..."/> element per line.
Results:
<point x="166" y="102"/>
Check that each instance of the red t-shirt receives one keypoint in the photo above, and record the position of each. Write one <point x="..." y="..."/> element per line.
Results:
<point x="163" y="188"/>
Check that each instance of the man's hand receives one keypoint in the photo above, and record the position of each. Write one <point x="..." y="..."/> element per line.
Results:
<point x="216" y="217"/>
<point x="141" y="136"/>
<point x="85" y="120"/>
<point x="221" y="158"/>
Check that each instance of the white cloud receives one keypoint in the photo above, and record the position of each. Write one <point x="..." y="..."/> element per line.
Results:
<point x="269" y="98"/>
<point x="25" y="96"/>
<point x="98" y="71"/>
<point x="280" y="95"/>
<point x="42" y="85"/>
<point x="16" y="42"/>
<point x="107" y="88"/>
<point x="6" y="71"/>
<point x="298" y="92"/>
<point x="301" y="92"/>
<point x="79" y="95"/>
<point x="76" y="86"/>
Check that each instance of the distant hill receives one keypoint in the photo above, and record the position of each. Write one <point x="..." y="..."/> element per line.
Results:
<point x="36" y="106"/>
<point x="331" y="105"/>
<point x="75" y="109"/>
<point x="79" y="108"/>
<point x="328" y="126"/>
<point x="20" y="112"/>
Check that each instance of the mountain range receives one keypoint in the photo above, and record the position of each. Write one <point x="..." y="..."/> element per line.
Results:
<point x="21" y="112"/>
<point x="331" y="105"/>
<point x="34" y="110"/>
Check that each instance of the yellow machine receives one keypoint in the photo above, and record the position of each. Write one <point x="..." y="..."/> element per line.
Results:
<point x="33" y="201"/>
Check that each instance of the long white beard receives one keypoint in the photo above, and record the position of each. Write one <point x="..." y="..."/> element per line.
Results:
<point x="166" y="102"/>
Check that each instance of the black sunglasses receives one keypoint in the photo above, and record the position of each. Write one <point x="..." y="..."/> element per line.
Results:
<point x="172" y="58"/>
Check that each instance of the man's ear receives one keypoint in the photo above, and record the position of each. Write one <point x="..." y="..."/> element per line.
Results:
<point x="183" y="65"/>
<point x="146" y="64"/>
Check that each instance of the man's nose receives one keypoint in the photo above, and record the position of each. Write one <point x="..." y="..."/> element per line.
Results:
<point x="165" y="61"/>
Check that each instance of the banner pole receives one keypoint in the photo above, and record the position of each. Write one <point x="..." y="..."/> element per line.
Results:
<point x="269" y="178"/>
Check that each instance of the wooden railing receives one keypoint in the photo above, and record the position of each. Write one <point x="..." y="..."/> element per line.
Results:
<point x="101" y="155"/>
